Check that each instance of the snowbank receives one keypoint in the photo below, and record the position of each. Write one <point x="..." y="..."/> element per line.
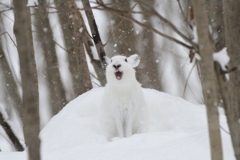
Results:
<point x="178" y="131"/>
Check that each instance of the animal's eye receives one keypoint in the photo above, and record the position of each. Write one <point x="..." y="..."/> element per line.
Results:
<point x="126" y="60"/>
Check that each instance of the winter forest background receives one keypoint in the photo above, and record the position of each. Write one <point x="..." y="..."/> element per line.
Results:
<point x="52" y="51"/>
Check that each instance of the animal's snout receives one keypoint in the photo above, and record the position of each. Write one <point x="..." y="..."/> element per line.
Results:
<point x="117" y="66"/>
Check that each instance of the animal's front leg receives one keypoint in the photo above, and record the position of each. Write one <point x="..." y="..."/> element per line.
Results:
<point x="128" y="126"/>
<point x="130" y="113"/>
<point x="128" y="122"/>
<point x="119" y="124"/>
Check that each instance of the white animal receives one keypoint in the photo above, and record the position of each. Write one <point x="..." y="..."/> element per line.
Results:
<point x="123" y="109"/>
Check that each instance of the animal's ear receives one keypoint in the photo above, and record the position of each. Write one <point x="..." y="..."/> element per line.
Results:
<point x="134" y="60"/>
<point x="107" y="60"/>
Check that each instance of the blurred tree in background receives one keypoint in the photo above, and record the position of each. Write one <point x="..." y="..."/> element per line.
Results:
<point x="52" y="51"/>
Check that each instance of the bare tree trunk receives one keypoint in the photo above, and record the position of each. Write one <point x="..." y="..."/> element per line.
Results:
<point x="30" y="110"/>
<point x="208" y="78"/>
<point x="87" y="41"/>
<point x="97" y="41"/>
<point x="232" y="31"/>
<point x="12" y="90"/>
<point x="10" y="83"/>
<point x="77" y="20"/>
<point x="45" y="38"/>
<point x="149" y="69"/>
<point x="67" y="29"/>
<point x="227" y="91"/>
<point x="215" y="17"/>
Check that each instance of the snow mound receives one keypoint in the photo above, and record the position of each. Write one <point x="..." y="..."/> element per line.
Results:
<point x="178" y="131"/>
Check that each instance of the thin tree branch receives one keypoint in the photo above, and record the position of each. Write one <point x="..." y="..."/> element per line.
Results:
<point x="194" y="95"/>
<point x="116" y="12"/>
<point x="9" y="37"/>
<point x="224" y="129"/>
<point x="167" y="22"/>
<point x="33" y="31"/>
<point x="188" y="78"/>
<point x="96" y="84"/>
<point x="94" y="76"/>
<point x="185" y="17"/>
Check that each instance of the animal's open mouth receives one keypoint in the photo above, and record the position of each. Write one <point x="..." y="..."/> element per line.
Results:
<point x="118" y="75"/>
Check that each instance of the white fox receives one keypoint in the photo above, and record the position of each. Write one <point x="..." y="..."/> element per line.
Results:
<point x="123" y="109"/>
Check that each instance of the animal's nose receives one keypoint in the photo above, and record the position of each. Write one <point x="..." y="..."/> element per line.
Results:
<point x="117" y="66"/>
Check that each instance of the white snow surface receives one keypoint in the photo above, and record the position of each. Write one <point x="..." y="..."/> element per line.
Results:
<point x="178" y="131"/>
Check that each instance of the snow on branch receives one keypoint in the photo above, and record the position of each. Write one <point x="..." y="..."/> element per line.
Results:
<point x="222" y="58"/>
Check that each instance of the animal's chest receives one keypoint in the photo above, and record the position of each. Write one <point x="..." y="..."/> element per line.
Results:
<point x="124" y="105"/>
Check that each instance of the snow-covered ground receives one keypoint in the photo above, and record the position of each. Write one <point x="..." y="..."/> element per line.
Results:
<point x="178" y="131"/>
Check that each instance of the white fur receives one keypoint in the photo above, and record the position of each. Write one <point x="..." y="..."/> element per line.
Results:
<point x="123" y="109"/>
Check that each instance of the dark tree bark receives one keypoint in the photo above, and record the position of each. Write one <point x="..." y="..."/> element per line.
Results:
<point x="97" y="41"/>
<point x="87" y="41"/>
<point x="227" y="92"/>
<point x="208" y="78"/>
<point x="232" y="32"/>
<point x="77" y="20"/>
<point x="10" y="134"/>
<point x="215" y="16"/>
<point x="45" y="38"/>
<point x="30" y="110"/>
<point x="74" y="44"/>
<point x="67" y="29"/>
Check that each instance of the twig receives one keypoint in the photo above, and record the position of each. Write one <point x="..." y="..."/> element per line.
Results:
<point x="194" y="95"/>
<point x="36" y="32"/>
<point x="188" y="78"/>
<point x="7" y="140"/>
<point x="185" y="17"/>
<point x="7" y="48"/>
<point x="94" y="76"/>
<point x="96" y="84"/>
<point x="8" y="17"/>
<point x="9" y="37"/>
<point x="224" y="129"/>
<point x="119" y="25"/>
<point x="9" y="7"/>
